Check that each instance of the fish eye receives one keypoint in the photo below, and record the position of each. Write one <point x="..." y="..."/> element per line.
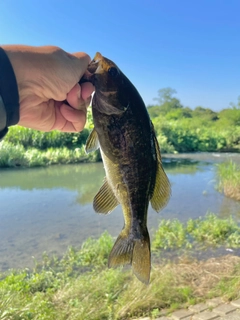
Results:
<point x="113" y="72"/>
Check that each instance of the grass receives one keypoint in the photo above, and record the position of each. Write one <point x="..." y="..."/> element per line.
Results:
<point x="210" y="230"/>
<point x="16" y="155"/>
<point x="80" y="286"/>
<point x="228" y="175"/>
<point x="27" y="147"/>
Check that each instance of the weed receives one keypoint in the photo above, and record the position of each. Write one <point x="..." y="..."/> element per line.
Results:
<point x="228" y="176"/>
<point x="207" y="231"/>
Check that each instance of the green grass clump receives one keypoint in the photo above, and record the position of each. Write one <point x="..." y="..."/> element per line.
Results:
<point x="207" y="231"/>
<point x="40" y="140"/>
<point x="11" y="154"/>
<point x="214" y="231"/>
<point x="229" y="284"/>
<point x="228" y="175"/>
<point x="15" y="155"/>
<point x="170" y="234"/>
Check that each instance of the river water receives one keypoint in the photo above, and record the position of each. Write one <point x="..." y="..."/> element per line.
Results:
<point x="49" y="209"/>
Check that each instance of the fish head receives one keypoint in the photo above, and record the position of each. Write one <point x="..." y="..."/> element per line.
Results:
<point x="107" y="76"/>
<point x="109" y="83"/>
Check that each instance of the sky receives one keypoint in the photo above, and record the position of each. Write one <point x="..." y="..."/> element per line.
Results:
<point x="192" y="46"/>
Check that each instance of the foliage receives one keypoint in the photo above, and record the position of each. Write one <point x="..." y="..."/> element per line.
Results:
<point x="228" y="176"/>
<point x="214" y="231"/>
<point x="170" y="234"/>
<point x="15" y="155"/>
<point x="165" y="95"/>
<point x="183" y="138"/>
<point x="43" y="140"/>
<point x="228" y="286"/>
<point x="201" y="129"/>
<point x="228" y="172"/>
<point x="203" y="231"/>
<point x="79" y="285"/>
<point x="206" y="114"/>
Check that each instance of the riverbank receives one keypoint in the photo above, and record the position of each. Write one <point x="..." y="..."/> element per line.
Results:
<point x="17" y="156"/>
<point x="29" y="148"/>
<point x="79" y="285"/>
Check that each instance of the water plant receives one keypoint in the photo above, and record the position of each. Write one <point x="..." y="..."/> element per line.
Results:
<point x="206" y="231"/>
<point x="228" y="176"/>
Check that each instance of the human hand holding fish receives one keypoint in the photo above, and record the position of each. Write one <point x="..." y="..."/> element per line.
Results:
<point x="50" y="95"/>
<point x="51" y="98"/>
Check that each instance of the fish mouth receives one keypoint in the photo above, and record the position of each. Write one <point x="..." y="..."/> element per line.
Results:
<point x="92" y="69"/>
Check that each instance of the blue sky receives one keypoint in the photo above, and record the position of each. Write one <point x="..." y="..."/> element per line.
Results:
<point x="192" y="46"/>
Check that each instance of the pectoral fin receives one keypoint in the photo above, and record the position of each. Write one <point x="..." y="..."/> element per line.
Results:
<point x="92" y="143"/>
<point x="162" y="189"/>
<point x="105" y="200"/>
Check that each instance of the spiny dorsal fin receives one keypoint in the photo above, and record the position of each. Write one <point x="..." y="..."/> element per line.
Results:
<point x="92" y="143"/>
<point x="162" y="188"/>
<point x="105" y="200"/>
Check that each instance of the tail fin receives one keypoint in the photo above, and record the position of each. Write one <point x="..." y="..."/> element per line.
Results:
<point x="132" y="250"/>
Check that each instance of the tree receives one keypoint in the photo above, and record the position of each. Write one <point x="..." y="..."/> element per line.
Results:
<point x="205" y="113"/>
<point x="165" y="95"/>
<point x="235" y="106"/>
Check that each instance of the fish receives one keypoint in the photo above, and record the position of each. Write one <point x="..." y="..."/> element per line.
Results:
<point x="132" y="161"/>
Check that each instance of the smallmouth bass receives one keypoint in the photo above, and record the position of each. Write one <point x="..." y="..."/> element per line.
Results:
<point x="132" y="162"/>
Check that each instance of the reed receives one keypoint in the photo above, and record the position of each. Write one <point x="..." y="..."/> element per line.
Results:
<point x="228" y="176"/>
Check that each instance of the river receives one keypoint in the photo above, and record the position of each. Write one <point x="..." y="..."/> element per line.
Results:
<point x="49" y="209"/>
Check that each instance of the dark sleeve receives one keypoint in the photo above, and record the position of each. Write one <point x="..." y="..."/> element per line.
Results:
<point x="9" y="98"/>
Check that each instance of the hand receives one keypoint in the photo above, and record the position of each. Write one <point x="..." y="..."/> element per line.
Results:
<point x="46" y="77"/>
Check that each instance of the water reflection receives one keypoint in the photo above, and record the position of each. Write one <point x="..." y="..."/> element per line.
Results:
<point x="48" y="209"/>
<point x="85" y="179"/>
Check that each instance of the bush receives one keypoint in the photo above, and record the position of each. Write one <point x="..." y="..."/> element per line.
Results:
<point x="29" y="138"/>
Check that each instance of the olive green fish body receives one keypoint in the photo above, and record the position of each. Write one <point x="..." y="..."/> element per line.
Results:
<point x="132" y="161"/>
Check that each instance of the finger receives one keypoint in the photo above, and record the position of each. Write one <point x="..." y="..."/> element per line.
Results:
<point x="86" y="90"/>
<point x="74" y="96"/>
<point x="69" y="127"/>
<point x="76" y="118"/>
<point x="80" y="96"/>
